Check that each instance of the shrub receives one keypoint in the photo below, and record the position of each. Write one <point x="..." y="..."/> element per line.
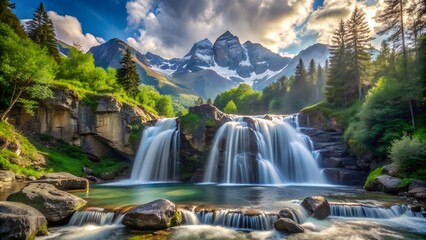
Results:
<point x="409" y="156"/>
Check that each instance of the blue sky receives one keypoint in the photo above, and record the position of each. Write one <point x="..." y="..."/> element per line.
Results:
<point x="170" y="27"/>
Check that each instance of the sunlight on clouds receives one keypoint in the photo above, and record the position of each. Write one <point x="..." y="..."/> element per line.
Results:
<point x="68" y="29"/>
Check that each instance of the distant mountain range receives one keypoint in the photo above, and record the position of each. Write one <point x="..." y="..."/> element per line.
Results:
<point x="210" y="68"/>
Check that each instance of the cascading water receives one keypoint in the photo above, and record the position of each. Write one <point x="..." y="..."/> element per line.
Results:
<point x="156" y="158"/>
<point x="100" y="218"/>
<point x="256" y="150"/>
<point x="359" y="211"/>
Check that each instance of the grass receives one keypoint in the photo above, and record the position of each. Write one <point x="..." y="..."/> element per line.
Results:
<point x="108" y="164"/>
<point x="372" y="176"/>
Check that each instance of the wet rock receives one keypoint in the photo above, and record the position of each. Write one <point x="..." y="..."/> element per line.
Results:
<point x="155" y="215"/>
<point x="92" y="179"/>
<point x="20" y="221"/>
<point x="416" y="208"/>
<point x="288" y="226"/>
<point x="7" y="176"/>
<point x="286" y="213"/>
<point x="419" y="193"/>
<point x="388" y="184"/>
<point x="54" y="204"/>
<point x="317" y="206"/>
<point x="64" y="181"/>
<point x="416" y="183"/>
<point x="345" y="176"/>
<point x="332" y="162"/>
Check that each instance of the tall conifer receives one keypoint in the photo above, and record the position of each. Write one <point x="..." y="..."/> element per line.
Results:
<point x="127" y="75"/>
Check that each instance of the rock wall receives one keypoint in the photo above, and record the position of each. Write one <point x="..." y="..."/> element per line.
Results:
<point x="99" y="127"/>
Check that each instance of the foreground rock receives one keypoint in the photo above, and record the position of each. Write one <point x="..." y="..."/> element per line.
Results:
<point x="20" y="221"/>
<point x="288" y="226"/>
<point x="155" y="215"/>
<point x="65" y="181"/>
<point x="286" y="213"/>
<point x="317" y="206"/>
<point x="418" y="193"/>
<point x="389" y="184"/>
<point x="54" y="204"/>
<point x="6" y="177"/>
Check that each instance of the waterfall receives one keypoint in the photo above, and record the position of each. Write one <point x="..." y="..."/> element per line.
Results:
<point x="100" y="218"/>
<point x="360" y="211"/>
<point x="256" y="150"/>
<point x="156" y="158"/>
<point x="231" y="218"/>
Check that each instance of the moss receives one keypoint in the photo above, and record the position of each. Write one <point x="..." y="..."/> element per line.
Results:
<point x="108" y="163"/>
<point x="194" y="120"/>
<point x="404" y="183"/>
<point x="372" y="177"/>
<point x="136" y="132"/>
<point x="176" y="220"/>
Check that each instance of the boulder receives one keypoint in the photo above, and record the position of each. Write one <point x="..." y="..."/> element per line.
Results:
<point x="288" y="226"/>
<point x="390" y="170"/>
<point x="7" y="176"/>
<point x="20" y="221"/>
<point x="54" y="204"/>
<point x="155" y="215"/>
<point x="419" y="193"/>
<point x="286" y="213"/>
<point x="388" y="184"/>
<point x="65" y="181"/>
<point x="416" y="183"/>
<point x="317" y="206"/>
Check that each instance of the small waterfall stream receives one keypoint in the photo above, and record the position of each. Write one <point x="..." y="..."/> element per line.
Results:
<point x="156" y="158"/>
<point x="100" y="218"/>
<point x="360" y="211"/>
<point x="256" y="150"/>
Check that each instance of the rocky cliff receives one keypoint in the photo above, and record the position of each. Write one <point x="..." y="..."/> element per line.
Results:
<point x="100" y="126"/>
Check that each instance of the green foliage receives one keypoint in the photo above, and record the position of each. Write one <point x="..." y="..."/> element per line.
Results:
<point x="230" y="108"/>
<point x="404" y="183"/>
<point x="246" y="100"/>
<point x="152" y="100"/>
<point x="372" y="176"/>
<point x="193" y="120"/>
<point x="25" y="69"/>
<point x="108" y="164"/>
<point x="127" y="75"/>
<point x="8" y="17"/>
<point x="382" y="118"/>
<point x="409" y="156"/>
<point x="42" y="32"/>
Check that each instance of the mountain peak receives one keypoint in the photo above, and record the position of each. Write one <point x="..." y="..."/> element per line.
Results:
<point x="205" y="42"/>
<point x="226" y="34"/>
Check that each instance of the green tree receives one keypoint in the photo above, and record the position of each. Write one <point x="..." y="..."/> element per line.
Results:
<point x="230" y="108"/>
<point x="199" y="101"/>
<point x="8" y="17"/>
<point x="127" y="75"/>
<point x="164" y="106"/>
<point x="42" y="32"/>
<point x="312" y="78"/>
<point x="358" y="41"/>
<point x="382" y="63"/>
<point x="209" y="101"/>
<point x="319" y="83"/>
<point x="25" y="70"/>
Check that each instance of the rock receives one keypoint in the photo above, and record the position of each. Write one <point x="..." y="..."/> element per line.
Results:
<point x="65" y="181"/>
<point x="107" y="105"/>
<point x="288" y="226"/>
<point x="419" y="193"/>
<point x="20" y="221"/>
<point x="317" y="206"/>
<point x="7" y="176"/>
<point x="30" y="178"/>
<point x="390" y="170"/>
<point x="54" y="204"/>
<point x="416" y="208"/>
<point x="286" y="213"/>
<point x="345" y="176"/>
<point x="107" y="175"/>
<point x="87" y="170"/>
<point x="155" y="215"/>
<point x="19" y="177"/>
<point x="207" y="111"/>
<point x="331" y="162"/>
<point x="314" y="118"/>
<point x="416" y="183"/>
<point x="92" y="179"/>
<point x="388" y="184"/>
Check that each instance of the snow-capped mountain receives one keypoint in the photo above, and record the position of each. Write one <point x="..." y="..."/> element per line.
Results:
<point x="210" y="68"/>
<point x="227" y="57"/>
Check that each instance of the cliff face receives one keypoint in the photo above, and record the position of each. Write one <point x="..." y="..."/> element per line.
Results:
<point x="99" y="127"/>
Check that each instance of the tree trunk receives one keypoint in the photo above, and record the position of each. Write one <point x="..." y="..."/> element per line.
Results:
<point x="4" y="114"/>
<point x="412" y="114"/>
<point x="404" y="51"/>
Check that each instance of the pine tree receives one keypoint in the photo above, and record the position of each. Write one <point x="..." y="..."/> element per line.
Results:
<point x="319" y="83"/>
<point x="392" y="18"/>
<point x="42" y="32"/>
<point x="199" y="101"/>
<point x="127" y="75"/>
<point x="312" y="74"/>
<point x="8" y="17"/>
<point x="337" y="91"/>
<point x="231" y="107"/>
<point x="382" y="61"/>
<point x="358" y="41"/>
<point x="209" y="101"/>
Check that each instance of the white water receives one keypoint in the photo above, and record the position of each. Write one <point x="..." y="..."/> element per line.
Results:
<point x="81" y="218"/>
<point x="359" y="211"/>
<point x="283" y="155"/>
<point x="231" y="219"/>
<point x="156" y="158"/>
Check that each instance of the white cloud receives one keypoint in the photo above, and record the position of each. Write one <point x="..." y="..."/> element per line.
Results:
<point x="169" y="27"/>
<point x="68" y="29"/>
<point x="326" y="19"/>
